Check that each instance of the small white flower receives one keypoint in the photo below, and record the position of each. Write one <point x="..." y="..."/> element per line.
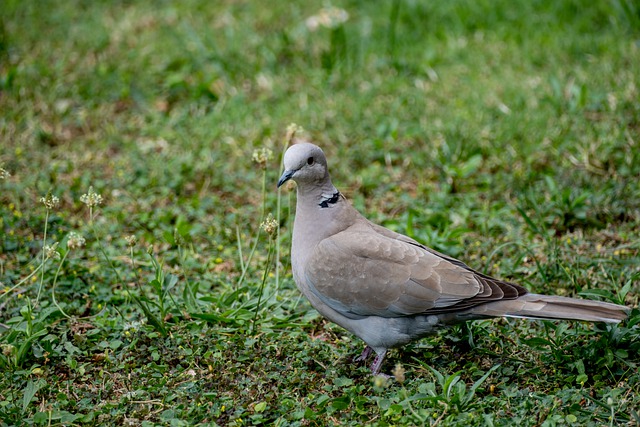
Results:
<point x="91" y="199"/>
<point x="270" y="226"/>
<point x="4" y="174"/>
<point x="132" y="326"/>
<point x="8" y="349"/>
<point x="292" y="130"/>
<point x="328" y="17"/>
<point x="312" y="22"/>
<point x="398" y="373"/>
<point x="261" y="156"/>
<point x="131" y="240"/>
<point x="50" y="201"/>
<point x="75" y="240"/>
<point x="51" y="251"/>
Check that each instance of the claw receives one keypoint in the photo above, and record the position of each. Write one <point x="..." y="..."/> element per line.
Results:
<point x="377" y="362"/>
<point x="364" y="355"/>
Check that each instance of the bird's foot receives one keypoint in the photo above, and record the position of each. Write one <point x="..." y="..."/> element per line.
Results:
<point x="364" y="355"/>
<point x="377" y="363"/>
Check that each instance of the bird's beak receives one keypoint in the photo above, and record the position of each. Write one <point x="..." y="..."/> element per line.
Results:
<point x="286" y="176"/>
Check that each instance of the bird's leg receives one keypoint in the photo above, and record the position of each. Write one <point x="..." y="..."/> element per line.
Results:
<point x="377" y="362"/>
<point x="364" y="355"/>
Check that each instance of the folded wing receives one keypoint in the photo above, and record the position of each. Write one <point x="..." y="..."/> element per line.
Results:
<point x="365" y="273"/>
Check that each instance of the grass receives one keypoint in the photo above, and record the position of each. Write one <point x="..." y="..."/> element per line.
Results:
<point x="504" y="133"/>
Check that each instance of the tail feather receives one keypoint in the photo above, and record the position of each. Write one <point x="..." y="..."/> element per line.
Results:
<point x="537" y="306"/>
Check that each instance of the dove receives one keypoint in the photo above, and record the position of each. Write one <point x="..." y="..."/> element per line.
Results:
<point x="388" y="289"/>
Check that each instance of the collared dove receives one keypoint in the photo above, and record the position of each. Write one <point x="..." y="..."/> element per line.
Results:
<point x="387" y="288"/>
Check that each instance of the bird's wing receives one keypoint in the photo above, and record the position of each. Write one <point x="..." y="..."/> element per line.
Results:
<point x="365" y="273"/>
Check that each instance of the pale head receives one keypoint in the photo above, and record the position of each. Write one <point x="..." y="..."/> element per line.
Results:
<point x="304" y="163"/>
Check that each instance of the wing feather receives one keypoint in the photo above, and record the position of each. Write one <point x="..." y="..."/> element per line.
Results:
<point x="364" y="273"/>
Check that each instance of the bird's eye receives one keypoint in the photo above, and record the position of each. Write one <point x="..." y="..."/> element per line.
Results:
<point x="310" y="161"/>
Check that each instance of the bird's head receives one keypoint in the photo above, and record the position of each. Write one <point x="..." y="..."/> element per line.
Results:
<point x="304" y="163"/>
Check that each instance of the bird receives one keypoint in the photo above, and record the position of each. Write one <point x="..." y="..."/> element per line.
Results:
<point x="387" y="288"/>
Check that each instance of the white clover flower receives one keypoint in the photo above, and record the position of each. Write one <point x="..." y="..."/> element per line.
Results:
<point x="51" y="251"/>
<point x="270" y="226"/>
<point x="91" y="199"/>
<point x="50" y="201"/>
<point x="4" y="174"/>
<point x="75" y="240"/>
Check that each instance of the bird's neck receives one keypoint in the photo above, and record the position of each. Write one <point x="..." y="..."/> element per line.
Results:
<point x="321" y="211"/>
<point x="317" y="196"/>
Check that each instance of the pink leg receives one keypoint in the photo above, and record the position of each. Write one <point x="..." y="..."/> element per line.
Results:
<point x="365" y="355"/>
<point x="377" y="363"/>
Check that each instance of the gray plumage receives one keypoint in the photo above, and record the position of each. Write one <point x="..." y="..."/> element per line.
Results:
<point x="387" y="288"/>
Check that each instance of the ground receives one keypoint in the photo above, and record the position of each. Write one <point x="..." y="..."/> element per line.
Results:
<point x="140" y="147"/>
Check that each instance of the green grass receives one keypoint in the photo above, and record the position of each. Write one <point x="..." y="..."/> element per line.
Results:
<point x="504" y="133"/>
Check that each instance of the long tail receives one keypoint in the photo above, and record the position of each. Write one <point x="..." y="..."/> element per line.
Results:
<point x="537" y="306"/>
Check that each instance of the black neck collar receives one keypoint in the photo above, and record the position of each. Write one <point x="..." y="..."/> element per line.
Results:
<point x="331" y="200"/>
